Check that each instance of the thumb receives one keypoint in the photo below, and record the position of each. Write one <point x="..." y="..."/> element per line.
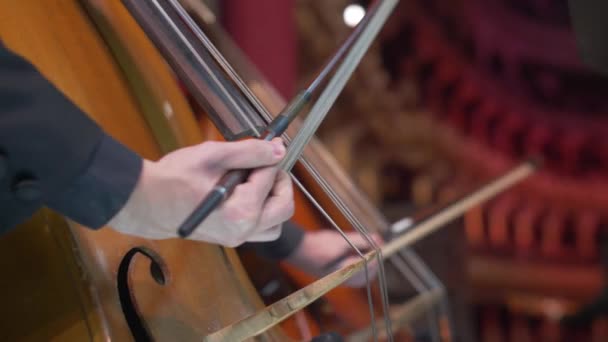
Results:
<point x="245" y="154"/>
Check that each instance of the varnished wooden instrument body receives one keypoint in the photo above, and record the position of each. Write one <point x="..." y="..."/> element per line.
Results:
<point x="59" y="280"/>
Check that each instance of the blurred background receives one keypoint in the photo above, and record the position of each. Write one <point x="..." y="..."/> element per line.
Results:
<point x="451" y="93"/>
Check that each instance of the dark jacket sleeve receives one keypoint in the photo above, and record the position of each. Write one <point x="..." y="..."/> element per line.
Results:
<point x="284" y="246"/>
<point x="52" y="154"/>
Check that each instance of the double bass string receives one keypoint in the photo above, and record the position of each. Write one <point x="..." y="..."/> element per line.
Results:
<point x="240" y="112"/>
<point x="278" y="125"/>
<point x="236" y="78"/>
<point x="191" y="60"/>
<point x="229" y="70"/>
<point x="375" y="22"/>
<point x="223" y="63"/>
<point x="316" y="116"/>
<point x="296" y="151"/>
<point x="372" y="23"/>
<point x="333" y="59"/>
<point x="337" y="83"/>
<point x="302" y="304"/>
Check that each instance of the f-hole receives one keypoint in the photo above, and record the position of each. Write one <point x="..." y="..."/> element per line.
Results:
<point x="138" y="327"/>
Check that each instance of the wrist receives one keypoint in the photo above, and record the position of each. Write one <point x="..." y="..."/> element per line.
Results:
<point x="301" y="257"/>
<point x="128" y="218"/>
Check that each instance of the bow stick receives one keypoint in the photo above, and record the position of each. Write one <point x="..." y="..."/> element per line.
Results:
<point x="396" y="236"/>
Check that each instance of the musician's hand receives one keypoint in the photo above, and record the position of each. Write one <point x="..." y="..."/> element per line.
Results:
<point x="172" y="187"/>
<point x="320" y="248"/>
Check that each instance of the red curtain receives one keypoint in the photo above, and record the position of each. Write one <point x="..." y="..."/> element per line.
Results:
<point x="266" y="32"/>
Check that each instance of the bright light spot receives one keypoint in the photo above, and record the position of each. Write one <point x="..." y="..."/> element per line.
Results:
<point x="402" y="225"/>
<point x="167" y="110"/>
<point x="353" y="14"/>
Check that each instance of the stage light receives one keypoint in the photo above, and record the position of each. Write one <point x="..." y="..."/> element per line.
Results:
<point x="353" y="14"/>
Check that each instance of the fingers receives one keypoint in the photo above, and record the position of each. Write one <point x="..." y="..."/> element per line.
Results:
<point x="257" y="215"/>
<point x="250" y="196"/>
<point x="244" y="206"/>
<point x="256" y="208"/>
<point x="358" y="240"/>
<point x="279" y="207"/>
<point x="361" y="242"/>
<point x="377" y="239"/>
<point x="244" y="154"/>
